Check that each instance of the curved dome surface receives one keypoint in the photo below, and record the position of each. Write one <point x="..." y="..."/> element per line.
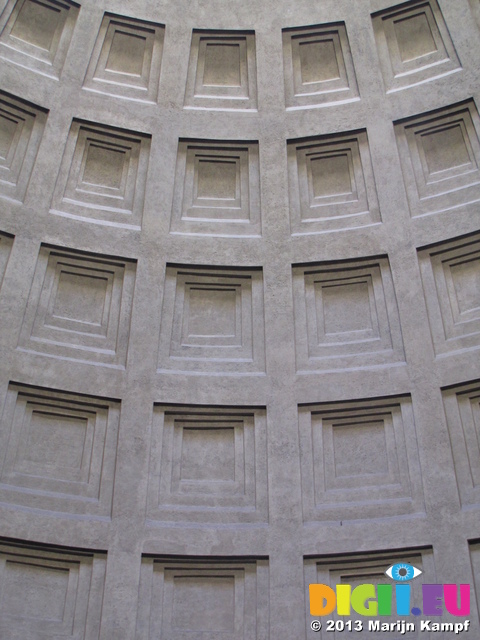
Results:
<point x="239" y="311"/>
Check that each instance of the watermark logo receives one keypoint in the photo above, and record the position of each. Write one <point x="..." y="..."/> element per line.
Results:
<point x="376" y="600"/>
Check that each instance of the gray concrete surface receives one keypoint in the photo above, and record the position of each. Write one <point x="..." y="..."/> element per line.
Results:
<point x="239" y="311"/>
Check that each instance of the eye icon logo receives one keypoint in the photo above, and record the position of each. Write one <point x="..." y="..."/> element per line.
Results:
<point x="402" y="572"/>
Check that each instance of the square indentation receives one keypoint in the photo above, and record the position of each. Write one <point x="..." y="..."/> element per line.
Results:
<point x="81" y="298"/>
<point x="23" y="584"/>
<point x="208" y="598"/>
<point x="36" y="33"/>
<point x="222" y="71"/>
<point x="102" y="176"/>
<point x="366" y="568"/>
<point x="206" y="603"/>
<point x="9" y="130"/>
<point x="331" y="183"/>
<point x="330" y="175"/>
<point x="55" y="442"/>
<point x="359" y="453"/>
<point x="440" y="153"/>
<point x="466" y="283"/>
<point x="413" y="43"/>
<point x="208" y="464"/>
<point x="50" y="593"/>
<point x="445" y="152"/>
<point x="346" y="315"/>
<point x="212" y="313"/>
<point x="37" y="23"/>
<point x="126" y="58"/>
<point x="79" y="307"/>
<point x="103" y="166"/>
<point x="462" y="407"/>
<point x="346" y="307"/>
<point x="216" y="178"/>
<point x="451" y="280"/>
<point x="209" y="318"/>
<point x="222" y="67"/>
<point x="127" y="53"/>
<point x="21" y="129"/>
<point x="474" y="548"/>
<point x="318" y="66"/>
<point x="217" y="190"/>
<point x="208" y="454"/>
<point x="414" y="36"/>
<point x="318" y="61"/>
<point x="60" y="450"/>
<point x="6" y="242"/>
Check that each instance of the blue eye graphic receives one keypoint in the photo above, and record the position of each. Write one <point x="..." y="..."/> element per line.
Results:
<point x="402" y="572"/>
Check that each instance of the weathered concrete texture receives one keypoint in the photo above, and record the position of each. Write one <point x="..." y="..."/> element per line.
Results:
<point x="239" y="310"/>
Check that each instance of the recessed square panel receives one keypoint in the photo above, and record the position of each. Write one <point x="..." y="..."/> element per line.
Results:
<point x="80" y="300"/>
<point x="209" y="318"/>
<point x="216" y="178"/>
<point x="37" y="23"/>
<point x="6" y="242"/>
<point x="474" y="548"/>
<point x="445" y="150"/>
<point x="21" y="597"/>
<point x="208" y="464"/>
<point x="8" y="130"/>
<point x="222" y="71"/>
<point x="104" y="166"/>
<point x="466" y="282"/>
<point x="414" y="44"/>
<point x="359" y="453"/>
<point x="346" y="307"/>
<point x="49" y="592"/>
<point x="318" y="61"/>
<point x="127" y="53"/>
<point x="360" y="449"/>
<point x="318" y="66"/>
<point x="80" y="297"/>
<point x="206" y="603"/>
<point x="331" y="176"/>
<point x="222" y="64"/>
<point x="56" y="442"/>
<point x="440" y="154"/>
<point x="208" y="454"/>
<point x="331" y="183"/>
<point x="209" y="460"/>
<point x="211" y="599"/>
<point x="60" y="451"/>
<point x="217" y="190"/>
<point x="462" y="407"/>
<point x="36" y="33"/>
<point x="126" y="58"/>
<point x="79" y="307"/>
<point x="348" y="314"/>
<point x="102" y="177"/>
<point x="212" y="312"/>
<point x="414" y="36"/>
<point x="451" y="280"/>
<point x="21" y="129"/>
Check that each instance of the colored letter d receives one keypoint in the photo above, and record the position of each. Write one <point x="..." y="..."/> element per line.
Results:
<point x="322" y="599"/>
